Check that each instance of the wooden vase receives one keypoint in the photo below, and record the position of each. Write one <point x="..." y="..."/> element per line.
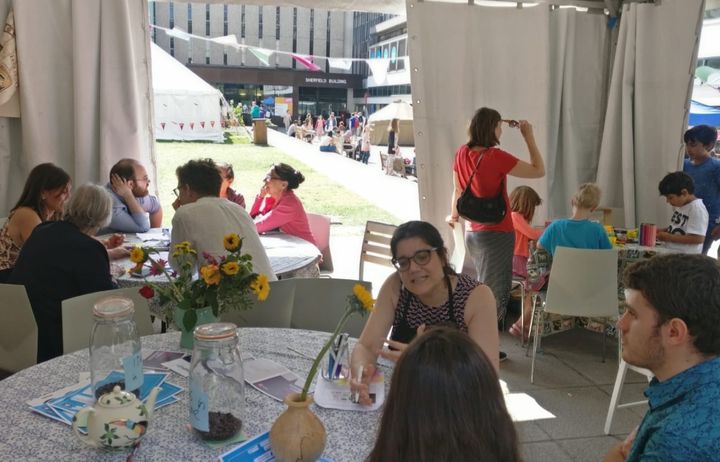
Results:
<point x="204" y="316"/>
<point x="297" y="434"/>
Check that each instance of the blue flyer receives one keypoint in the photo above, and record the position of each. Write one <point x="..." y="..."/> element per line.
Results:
<point x="256" y="449"/>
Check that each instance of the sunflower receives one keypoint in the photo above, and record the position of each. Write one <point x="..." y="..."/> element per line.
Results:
<point x="230" y="268"/>
<point x="138" y="255"/>
<point x="261" y="287"/>
<point x="210" y="274"/>
<point x="232" y="242"/>
<point x="364" y="297"/>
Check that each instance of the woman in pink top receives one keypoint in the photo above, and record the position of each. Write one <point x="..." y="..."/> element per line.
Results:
<point x="277" y="206"/>
<point x="523" y="201"/>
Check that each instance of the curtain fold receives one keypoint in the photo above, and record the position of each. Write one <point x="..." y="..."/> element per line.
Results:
<point x="647" y="105"/>
<point x="85" y="91"/>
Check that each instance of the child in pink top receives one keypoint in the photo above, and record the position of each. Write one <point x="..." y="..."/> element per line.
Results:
<point x="523" y="202"/>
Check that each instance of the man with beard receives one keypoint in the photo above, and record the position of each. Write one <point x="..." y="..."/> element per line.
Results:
<point x="134" y="209"/>
<point x="672" y="327"/>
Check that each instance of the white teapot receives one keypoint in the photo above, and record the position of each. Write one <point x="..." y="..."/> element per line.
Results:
<point x="118" y="419"/>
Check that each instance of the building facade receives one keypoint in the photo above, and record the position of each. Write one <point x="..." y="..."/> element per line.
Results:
<point x="283" y="84"/>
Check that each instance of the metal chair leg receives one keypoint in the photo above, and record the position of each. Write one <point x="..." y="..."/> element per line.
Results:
<point x="522" y="315"/>
<point x="532" y="321"/>
<point x="535" y="347"/>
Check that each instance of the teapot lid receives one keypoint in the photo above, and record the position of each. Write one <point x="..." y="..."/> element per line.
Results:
<point x="116" y="398"/>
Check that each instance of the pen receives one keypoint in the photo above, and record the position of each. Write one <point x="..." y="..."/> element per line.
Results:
<point x="355" y="397"/>
<point x="332" y="355"/>
<point x="342" y="349"/>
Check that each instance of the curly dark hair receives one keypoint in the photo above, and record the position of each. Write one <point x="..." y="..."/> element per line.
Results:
<point x="685" y="287"/>
<point x="201" y="175"/>
<point x="289" y="174"/>
<point x="428" y="233"/>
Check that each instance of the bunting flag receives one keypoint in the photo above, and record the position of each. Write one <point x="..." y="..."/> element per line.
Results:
<point x="162" y="124"/>
<point x="181" y="125"/>
<point x="340" y="63"/>
<point x="379" y="68"/>
<point x="305" y="61"/>
<point x="261" y="54"/>
<point x="178" y="33"/>
<point x="228" y="40"/>
<point x="192" y="125"/>
<point x="9" y="96"/>
<point x="202" y="124"/>
<point x="212" y="123"/>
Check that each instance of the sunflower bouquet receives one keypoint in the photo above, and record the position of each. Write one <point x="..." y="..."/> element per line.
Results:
<point x="222" y="284"/>
<point x="360" y="301"/>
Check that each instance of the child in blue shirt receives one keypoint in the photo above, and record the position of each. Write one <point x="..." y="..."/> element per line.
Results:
<point x="705" y="172"/>
<point x="578" y="231"/>
<point x="689" y="222"/>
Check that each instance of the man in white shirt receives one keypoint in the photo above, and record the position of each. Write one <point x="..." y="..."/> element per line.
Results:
<point x="203" y="218"/>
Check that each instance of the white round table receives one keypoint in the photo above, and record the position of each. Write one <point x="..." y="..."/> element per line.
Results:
<point x="30" y="437"/>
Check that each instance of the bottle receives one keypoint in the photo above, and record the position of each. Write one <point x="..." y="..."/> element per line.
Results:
<point x="217" y="386"/>
<point x="115" y="347"/>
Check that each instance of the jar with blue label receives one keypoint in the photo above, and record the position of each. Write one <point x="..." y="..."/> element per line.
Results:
<point x="217" y="385"/>
<point x="115" y="357"/>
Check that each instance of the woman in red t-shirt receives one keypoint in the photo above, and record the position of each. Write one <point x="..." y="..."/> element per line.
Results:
<point x="491" y="245"/>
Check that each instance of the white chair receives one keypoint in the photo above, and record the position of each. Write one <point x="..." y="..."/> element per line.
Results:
<point x="617" y="391"/>
<point x="319" y="304"/>
<point x="18" y="331"/>
<point x="376" y="245"/>
<point x="320" y="228"/>
<point x="583" y="283"/>
<point x="275" y="311"/>
<point x="77" y="317"/>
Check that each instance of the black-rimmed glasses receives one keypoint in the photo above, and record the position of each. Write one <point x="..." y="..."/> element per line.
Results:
<point x="421" y="257"/>
<point x="512" y="123"/>
<point x="176" y="191"/>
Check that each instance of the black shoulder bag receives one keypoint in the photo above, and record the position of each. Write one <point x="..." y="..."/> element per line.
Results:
<point x="485" y="210"/>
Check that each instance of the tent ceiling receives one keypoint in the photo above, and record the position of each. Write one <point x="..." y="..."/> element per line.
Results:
<point x="398" y="6"/>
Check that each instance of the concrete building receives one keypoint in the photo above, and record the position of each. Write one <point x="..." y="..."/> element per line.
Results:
<point x="241" y="76"/>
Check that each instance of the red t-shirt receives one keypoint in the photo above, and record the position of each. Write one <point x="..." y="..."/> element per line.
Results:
<point x="491" y="172"/>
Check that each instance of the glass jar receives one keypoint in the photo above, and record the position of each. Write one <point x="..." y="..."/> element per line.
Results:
<point x="217" y="386"/>
<point x="115" y="347"/>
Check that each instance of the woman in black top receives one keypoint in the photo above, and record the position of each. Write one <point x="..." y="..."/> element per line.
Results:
<point x="61" y="260"/>
<point x="392" y="146"/>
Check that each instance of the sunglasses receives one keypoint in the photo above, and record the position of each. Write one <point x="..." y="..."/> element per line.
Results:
<point x="421" y="257"/>
<point x="512" y="123"/>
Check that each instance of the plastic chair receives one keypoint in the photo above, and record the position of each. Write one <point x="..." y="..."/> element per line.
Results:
<point x="583" y="283"/>
<point x="376" y="245"/>
<point x="77" y="317"/>
<point x="320" y="228"/>
<point x="617" y="391"/>
<point x="18" y="331"/>
<point x="457" y="260"/>
<point x="319" y="303"/>
<point x="275" y="311"/>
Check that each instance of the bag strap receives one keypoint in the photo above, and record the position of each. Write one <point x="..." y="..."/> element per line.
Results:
<point x="477" y="164"/>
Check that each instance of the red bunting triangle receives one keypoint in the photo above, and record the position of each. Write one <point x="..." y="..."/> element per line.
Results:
<point x="181" y="125"/>
<point x="202" y="124"/>
<point x="192" y="125"/>
<point x="162" y="124"/>
<point x="212" y="123"/>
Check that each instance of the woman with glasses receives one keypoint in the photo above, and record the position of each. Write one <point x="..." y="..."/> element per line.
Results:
<point x="425" y="291"/>
<point x="278" y="208"/>
<point x="486" y="167"/>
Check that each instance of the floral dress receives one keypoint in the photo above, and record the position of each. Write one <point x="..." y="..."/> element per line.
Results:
<point x="9" y="250"/>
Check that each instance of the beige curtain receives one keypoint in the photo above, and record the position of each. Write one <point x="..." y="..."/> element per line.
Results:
<point x="85" y="93"/>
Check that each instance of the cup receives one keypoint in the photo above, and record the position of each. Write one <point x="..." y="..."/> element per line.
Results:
<point x="335" y="364"/>
<point x="648" y="234"/>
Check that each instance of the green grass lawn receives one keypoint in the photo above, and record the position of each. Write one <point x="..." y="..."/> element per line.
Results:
<point x="318" y="193"/>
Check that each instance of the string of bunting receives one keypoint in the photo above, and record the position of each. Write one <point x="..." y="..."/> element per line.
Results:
<point x="378" y="66"/>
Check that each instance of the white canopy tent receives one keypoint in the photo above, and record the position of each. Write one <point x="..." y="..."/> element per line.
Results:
<point x="186" y="107"/>
<point x="380" y="120"/>
<point x="608" y="101"/>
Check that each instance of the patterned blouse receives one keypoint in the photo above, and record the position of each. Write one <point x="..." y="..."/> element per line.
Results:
<point x="411" y="312"/>
<point x="9" y="250"/>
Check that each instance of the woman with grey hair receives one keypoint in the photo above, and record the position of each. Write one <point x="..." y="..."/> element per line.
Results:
<point x="62" y="260"/>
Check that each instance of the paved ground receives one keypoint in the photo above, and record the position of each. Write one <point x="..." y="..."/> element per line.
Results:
<point x="571" y="381"/>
